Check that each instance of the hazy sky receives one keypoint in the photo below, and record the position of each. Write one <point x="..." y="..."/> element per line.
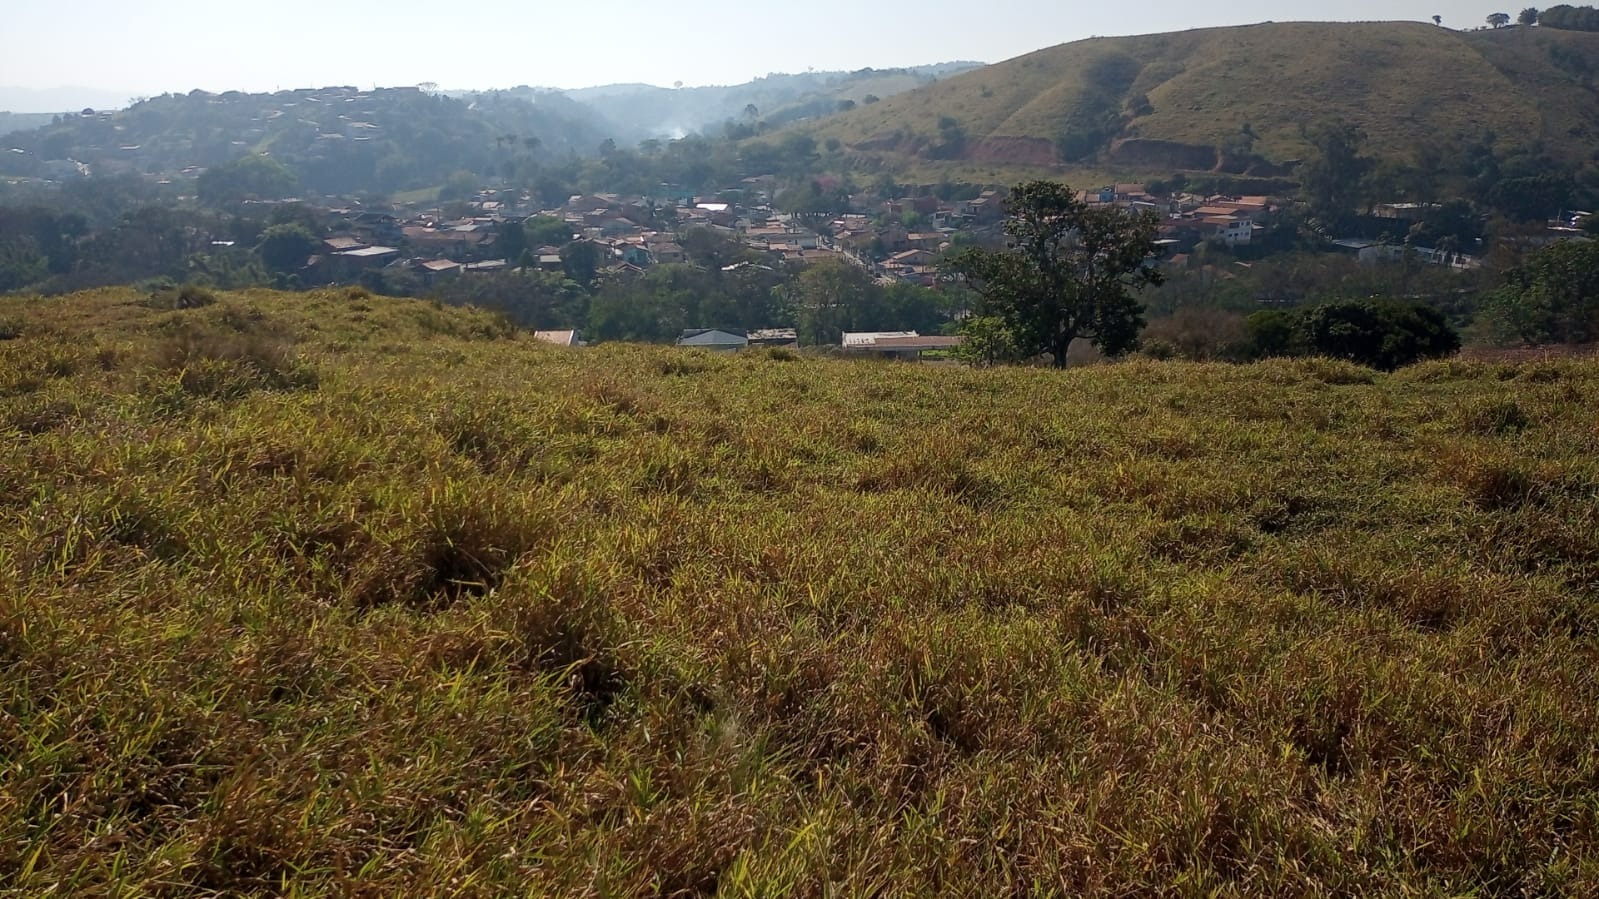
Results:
<point x="147" y="47"/>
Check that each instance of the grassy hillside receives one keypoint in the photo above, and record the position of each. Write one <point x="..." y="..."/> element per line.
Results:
<point x="1402" y="82"/>
<point x="332" y="593"/>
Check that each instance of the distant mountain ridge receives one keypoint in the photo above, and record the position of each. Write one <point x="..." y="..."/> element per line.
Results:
<point x="1238" y="99"/>
<point x="23" y="121"/>
<point x="52" y="100"/>
<point x="345" y="139"/>
<point x="334" y="139"/>
<point x="641" y="111"/>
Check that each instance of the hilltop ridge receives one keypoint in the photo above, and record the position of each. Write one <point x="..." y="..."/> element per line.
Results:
<point x="1237" y="98"/>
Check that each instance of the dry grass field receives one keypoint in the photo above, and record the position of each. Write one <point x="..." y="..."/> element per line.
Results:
<point x="336" y="594"/>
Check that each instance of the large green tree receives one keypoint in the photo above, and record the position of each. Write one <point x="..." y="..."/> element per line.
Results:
<point x="546" y="231"/>
<point x="833" y="296"/>
<point x="1332" y="175"/>
<point x="286" y="247"/>
<point x="1069" y="272"/>
<point x="1552" y="297"/>
<point x="248" y="177"/>
<point x="582" y="260"/>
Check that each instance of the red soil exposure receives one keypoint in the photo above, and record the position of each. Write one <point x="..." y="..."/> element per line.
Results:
<point x="1015" y="151"/>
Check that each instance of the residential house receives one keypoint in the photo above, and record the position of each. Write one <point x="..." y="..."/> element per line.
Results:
<point x="1370" y="252"/>
<point x="905" y="345"/>
<point x="587" y="204"/>
<point x="341" y="244"/>
<point x="667" y="252"/>
<point x="720" y="214"/>
<point x="350" y="263"/>
<point x="456" y="240"/>
<point x="988" y="207"/>
<point x="801" y="256"/>
<point x="433" y="269"/>
<point x="636" y="254"/>
<point x="894" y="238"/>
<point x="921" y="205"/>
<point x="713" y="339"/>
<point x="622" y="271"/>
<point x="912" y="258"/>
<point x="912" y="349"/>
<point x="1230" y="231"/>
<point x="1405" y="212"/>
<point x="865" y="340"/>
<point x="559" y="338"/>
<point x="772" y="234"/>
<point x="774" y="337"/>
<point x="1256" y="209"/>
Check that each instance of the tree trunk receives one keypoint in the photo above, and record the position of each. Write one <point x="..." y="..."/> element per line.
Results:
<point x="1059" y="351"/>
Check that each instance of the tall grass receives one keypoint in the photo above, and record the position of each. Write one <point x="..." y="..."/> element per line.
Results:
<point x="395" y="601"/>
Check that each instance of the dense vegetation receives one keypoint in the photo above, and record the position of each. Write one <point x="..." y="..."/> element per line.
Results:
<point x="1379" y="334"/>
<point x="332" y="593"/>
<point x="1569" y="18"/>
<point x="1553" y="297"/>
<point x="334" y="140"/>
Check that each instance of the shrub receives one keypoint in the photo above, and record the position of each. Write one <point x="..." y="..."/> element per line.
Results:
<point x="228" y="366"/>
<point x="165" y="295"/>
<point x="193" y="296"/>
<point x="1496" y="417"/>
<point x="988" y="342"/>
<point x="1197" y="334"/>
<point x="1553" y="297"/>
<point x="1379" y="334"/>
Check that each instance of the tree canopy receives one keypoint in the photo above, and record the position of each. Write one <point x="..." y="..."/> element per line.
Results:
<point x="1375" y="333"/>
<point x="1552" y="297"/>
<point x="1332" y="176"/>
<point x="1069" y="272"/>
<point x="1570" y="18"/>
<point x="284" y="247"/>
<point x="248" y="177"/>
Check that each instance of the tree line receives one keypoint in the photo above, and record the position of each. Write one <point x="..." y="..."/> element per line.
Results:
<point x="1569" y="18"/>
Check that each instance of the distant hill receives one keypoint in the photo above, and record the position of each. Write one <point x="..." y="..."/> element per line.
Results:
<point x="60" y="99"/>
<point x="644" y="111"/>
<point x="1183" y="100"/>
<point x="23" y="121"/>
<point x="335" y="139"/>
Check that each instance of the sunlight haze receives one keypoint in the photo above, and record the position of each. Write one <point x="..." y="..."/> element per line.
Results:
<point x="179" y="45"/>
